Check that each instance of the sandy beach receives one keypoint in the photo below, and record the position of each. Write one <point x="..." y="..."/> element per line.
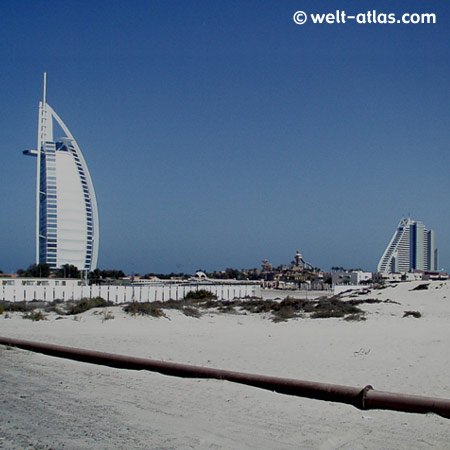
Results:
<point x="55" y="403"/>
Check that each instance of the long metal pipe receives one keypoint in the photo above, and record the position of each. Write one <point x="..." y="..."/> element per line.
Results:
<point x="361" y="398"/>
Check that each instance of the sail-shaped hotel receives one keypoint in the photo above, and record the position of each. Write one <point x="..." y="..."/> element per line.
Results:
<point x="66" y="208"/>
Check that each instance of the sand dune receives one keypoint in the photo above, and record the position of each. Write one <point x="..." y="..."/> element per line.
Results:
<point x="54" y="403"/>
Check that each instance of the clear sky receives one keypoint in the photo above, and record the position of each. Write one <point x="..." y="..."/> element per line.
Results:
<point x="218" y="133"/>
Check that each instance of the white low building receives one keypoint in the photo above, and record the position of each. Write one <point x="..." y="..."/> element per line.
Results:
<point x="354" y="277"/>
<point x="358" y="277"/>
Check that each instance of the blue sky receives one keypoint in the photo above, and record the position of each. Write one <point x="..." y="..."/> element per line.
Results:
<point x="218" y="133"/>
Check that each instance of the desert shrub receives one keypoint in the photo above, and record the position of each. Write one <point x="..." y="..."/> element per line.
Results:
<point x="107" y="315"/>
<point x="415" y="314"/>
<point x="379" y="284"/>
<point x="334" y="307"/>
<point x="291" y="307"/>
<point x="367" y="300"/>
<point x="354" y="318"/>
<point x="288" y="309"/>
<point x="192" y="312"/>
<point x="174" y="304"/>
<point x="326" y="314"/>
<point x="34" y="316"/>
<point x="388" y="300"/>
<point x="57" y="306"/>
<point x="258" y="306"/>
<point x="363" y="292"/>
<point x="144" y="309"/>
<point x="86" y="304"/>
<point x="421" y="287"/>
<point x="201" y="294"/>
<point x="284" y="313"/>
<point x="306" y="306"/>
<point x="208" y="304"/>
<point x="226" y="307"/>
<point x="17" y="306"/>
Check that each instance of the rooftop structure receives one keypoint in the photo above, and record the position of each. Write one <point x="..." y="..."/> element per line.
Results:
<point x="66" y="208"/>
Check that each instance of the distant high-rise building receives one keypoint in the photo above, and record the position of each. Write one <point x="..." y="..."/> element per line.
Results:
<point x="66" y="208"/>
<point x="412" y="247"/>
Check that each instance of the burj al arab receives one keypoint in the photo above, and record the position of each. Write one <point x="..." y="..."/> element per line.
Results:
<point x="66" y="208"/>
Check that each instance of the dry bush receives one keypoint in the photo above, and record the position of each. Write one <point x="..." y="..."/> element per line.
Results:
<point x="35" y="316"/>
<point x="415" y="314"/>
<point x="200" y="295"/>
<point x="144" y="309"/>
<point x="355" y="318"/>
<point x="334" y="307"/>
<point x="107" y="315"/>
<point x="17" y="306"/>
<point x="86" y="304"/>
<point x="421" y="287"/>
<point x="189" y="311"/>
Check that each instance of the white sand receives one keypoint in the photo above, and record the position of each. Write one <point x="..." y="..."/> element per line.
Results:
<point x="54" y="403"/>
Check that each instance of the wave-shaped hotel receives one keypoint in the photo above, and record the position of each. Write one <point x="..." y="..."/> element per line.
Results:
<point x="66" y="207"/>
<point x="412" y="247"/>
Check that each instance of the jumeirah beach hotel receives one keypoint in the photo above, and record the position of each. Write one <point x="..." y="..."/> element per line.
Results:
<point x="412" y="247"/>
<point x="66" y="208"/>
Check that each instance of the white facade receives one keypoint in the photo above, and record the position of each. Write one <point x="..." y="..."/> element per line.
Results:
<point x="404" y="276"/>
<point x="353" y="278"/>
<point x="67" y="230"/>
<point x="358" y="277"/>
<point x="338" y="278"/>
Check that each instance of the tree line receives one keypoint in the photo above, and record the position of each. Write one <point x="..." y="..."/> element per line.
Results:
<point x="43" y="270"/>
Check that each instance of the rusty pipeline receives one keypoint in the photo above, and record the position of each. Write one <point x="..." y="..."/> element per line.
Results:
<point x="361" y="398"/>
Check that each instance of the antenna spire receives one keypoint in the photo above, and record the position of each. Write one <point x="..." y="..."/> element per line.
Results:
<point x="44" y="96"/>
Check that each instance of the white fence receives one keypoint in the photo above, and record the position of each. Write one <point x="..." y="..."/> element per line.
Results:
<point x="123" y="294"/>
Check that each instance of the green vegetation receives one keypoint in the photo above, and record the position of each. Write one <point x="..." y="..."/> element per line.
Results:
<point x="68" y="271"/>
<point x="167" y="276"/>
<point x="107" y="315"/>
<point x="86" y="304"/>
<point x="191" y="312"/>
<point x="16" y="306"/>
<point x="228" y="274"/>
<point x="334" y="307"/>
<point x="280" y="311"/>
<point x="35" y="316"/>
<point x="144" y="309"/>
<point x="57" y="306"/>
<point x="354" y="318"/>
<point x="201" y="294"/>
<point x="294" y="308"/>
<point x="97" y="274"/>
<point x="41" y="270"/>
<point x="415" y="314"/>
<point x="343" y="269"/>
<point x="202" y="300"/>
